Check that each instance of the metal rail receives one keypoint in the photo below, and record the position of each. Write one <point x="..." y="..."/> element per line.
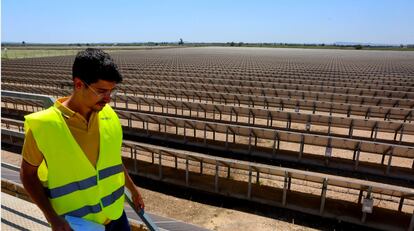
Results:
<point x="386" y="113"/>
<point x="233" y="77"/>
<point x="197" y="109"/>
<point x="291" y="82"/>
<point x="141" y="213"/>
<point x="230" y="183"/>
<point x="274" y="136"/>
<point x="46" y="100"/>
<point x="260" y="90"/>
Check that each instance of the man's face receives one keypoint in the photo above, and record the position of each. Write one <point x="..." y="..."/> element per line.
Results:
<point x="96" y="95"/>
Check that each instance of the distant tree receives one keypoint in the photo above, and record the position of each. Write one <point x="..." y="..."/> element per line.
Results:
<point x="240" y="44"/>
<point x="181" y="42"/>
<point x="23" y="43"/>
<point x="401" y="45"/>
<point x="232" y="44"/>
<point x="323" y="44"/>
<point x="358" y="47"/>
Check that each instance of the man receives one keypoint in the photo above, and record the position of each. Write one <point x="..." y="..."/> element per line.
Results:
<point x="72" y="162"/>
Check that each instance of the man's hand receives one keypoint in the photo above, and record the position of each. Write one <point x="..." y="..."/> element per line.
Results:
<point x="60" y="224"/>
<point x="133" y="189"/>
<point x="137" y="199"/>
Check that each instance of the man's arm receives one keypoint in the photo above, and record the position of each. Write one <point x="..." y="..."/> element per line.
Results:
<point x="33" y="186"/>
<point x="136" y="195"/>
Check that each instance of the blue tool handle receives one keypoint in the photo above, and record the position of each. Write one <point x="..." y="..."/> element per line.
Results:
<point x="141" y="213"/>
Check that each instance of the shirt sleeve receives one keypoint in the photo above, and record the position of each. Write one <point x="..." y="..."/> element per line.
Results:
<point x="31" y="152"/>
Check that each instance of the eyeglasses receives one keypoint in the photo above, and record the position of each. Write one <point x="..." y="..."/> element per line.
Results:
<point x="110" y="93"/>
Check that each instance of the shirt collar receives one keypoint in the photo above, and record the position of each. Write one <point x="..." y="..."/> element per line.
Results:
<point x="65" y="110"/>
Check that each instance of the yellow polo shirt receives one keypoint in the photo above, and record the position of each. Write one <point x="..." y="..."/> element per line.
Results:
<point x="85" y="133"/>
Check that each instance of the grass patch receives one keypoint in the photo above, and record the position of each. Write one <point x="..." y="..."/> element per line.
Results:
<point x="32" y="53"/>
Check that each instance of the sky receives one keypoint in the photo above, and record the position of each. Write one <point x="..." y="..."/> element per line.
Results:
<point x="285" y="21"/>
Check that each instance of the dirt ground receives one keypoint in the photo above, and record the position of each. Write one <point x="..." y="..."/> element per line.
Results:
<point x="207" y="216"/>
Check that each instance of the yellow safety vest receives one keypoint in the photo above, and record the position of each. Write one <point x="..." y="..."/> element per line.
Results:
<point x="74" y="186"/>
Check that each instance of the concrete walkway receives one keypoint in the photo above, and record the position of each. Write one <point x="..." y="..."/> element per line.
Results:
<point x="18" y="214"/>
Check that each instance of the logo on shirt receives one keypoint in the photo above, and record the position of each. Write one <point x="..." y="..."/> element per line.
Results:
<point x="105" y="118"/>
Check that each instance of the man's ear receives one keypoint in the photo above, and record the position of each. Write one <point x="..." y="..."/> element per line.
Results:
<point x="77" y="83"/>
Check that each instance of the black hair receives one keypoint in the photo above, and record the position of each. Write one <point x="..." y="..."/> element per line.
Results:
<point x="94" y="64"/>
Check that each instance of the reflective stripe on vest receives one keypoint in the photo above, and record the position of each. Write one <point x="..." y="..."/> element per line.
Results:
<point x="106" y="201"/>
<point x="83" y="184"/>
<point x="74" y="186"/>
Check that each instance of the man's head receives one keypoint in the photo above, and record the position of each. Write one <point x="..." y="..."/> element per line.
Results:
<point x="93" y="64"/>
<point x="95" y="76"/>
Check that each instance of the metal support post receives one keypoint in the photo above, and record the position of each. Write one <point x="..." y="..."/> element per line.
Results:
<point x="323" y="195"/>
<point x="159" y="165"/>
<point x="249" y="189"/>
<point x="186" y="171"/>
<point x="285" y="188"/>
<point x="216" y="177"/>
